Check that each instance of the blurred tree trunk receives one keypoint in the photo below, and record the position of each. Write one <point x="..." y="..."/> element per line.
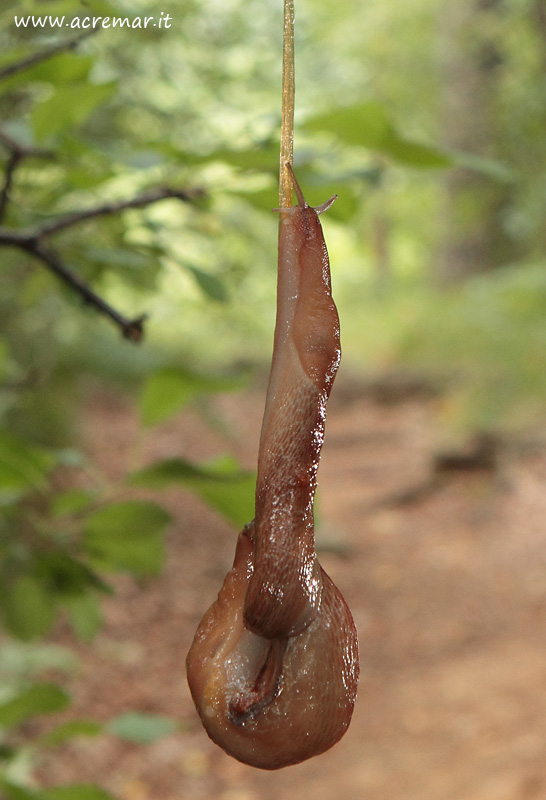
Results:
<point x="474" y="240"/>
<point x="381" y="227"/>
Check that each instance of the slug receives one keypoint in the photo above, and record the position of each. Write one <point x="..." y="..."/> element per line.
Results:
<point x="273" y="668"/>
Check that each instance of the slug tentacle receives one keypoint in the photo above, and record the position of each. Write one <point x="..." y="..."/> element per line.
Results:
<point x="273" y="669"/>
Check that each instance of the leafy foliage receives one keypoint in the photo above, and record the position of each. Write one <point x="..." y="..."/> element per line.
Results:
<point x="483" y="341"/>
<point x="40" y="699"/>
<point x="57" y="541"/>
<point x="170" y="389"/>
<point x="141" y="728"/>
<point x="127" y="536"/>
<point x="221" y="484"/>
<point x="76" y="791"/>
<point x="369" y="125"/>
<point x="126" y="111"/>
<point x="37" y="699"/>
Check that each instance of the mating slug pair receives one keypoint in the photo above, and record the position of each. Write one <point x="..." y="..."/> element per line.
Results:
<point x="273" y="668"/>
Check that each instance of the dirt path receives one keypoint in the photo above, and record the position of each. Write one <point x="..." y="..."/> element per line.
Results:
<point x="448" y="593"/>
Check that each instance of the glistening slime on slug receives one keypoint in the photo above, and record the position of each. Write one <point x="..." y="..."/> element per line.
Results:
<point x="273" y="668"/>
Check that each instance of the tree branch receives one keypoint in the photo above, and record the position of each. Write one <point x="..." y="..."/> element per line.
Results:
<point x="132" y="329"/>
<point x="11" y="165"/>
<point x="140" y="201"/>
<point x="33" y="240"/>
<point x="25" y="236"/>
<point x="43" y="55"/>
<point x="13" y="146"/>
<point x="16" y="150"/>
<point x="16" y="153"/>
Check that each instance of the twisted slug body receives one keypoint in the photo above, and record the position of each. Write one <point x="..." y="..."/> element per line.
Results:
<point x="273" y="668"/>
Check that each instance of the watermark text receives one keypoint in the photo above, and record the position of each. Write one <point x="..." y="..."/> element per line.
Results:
<point x="88" y="23"/>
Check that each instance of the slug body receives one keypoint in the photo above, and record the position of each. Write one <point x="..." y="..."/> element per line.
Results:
<point x="273" y="668"/>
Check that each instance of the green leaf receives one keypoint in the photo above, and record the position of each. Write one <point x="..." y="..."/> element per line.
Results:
<point x="71" y="502"/>
<point x="141" y="266"/>
<point x="7" y="752"/>
<point x="370" y="125"/>
<point x="29" y="609"/>
<point x="77" y="791"/>
<point x="85" y="615"/>
<point x="62" y="68"/>
<point x="211" y="286"/>
<point x="414" y="154"/>
<point x="41" y="698"/>
<point x="69" y="457"/>
<point x="164" y="473"/>
<point x="128" y="536"/>
<point x="363" y="125"/>
<point x="170" y="389"/>
<point x="264" y="199"/>
<point x="65" y="576"/>
<point x="258" y="156"/>
<point x="221" y="484"/>
<point x="17" y="659"/>
<point x="11" y="791"/>
<point x="69" y="106"/>
<point x="22" y="466"/>
<point x="70" y="730"/>
<point x="230" y="491"/>
<point x="141" y="728"/>
<point x="487" y="166"/>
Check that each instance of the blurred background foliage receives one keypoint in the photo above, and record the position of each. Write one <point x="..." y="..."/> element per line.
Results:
<point x="426" y="119"/>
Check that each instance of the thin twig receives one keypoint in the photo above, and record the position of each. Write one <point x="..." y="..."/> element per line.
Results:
<point x="24" y="236"/>
<point x="16" y="152"/>
<point x="140" y="201"/>
<point x="131" y="328"/>
<point x="11" y="238"/>
<point x="11" y="166"/>
<point x="13" y="146"/>
<point x="288" y="102"/>
<point x="33" y="240"/>
<point x="43" y="55"/>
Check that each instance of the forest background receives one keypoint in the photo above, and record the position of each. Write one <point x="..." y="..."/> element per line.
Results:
<point x="138" y="248"/>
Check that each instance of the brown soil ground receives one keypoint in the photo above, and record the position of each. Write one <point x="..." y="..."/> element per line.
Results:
<point x="448" y="592"/>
